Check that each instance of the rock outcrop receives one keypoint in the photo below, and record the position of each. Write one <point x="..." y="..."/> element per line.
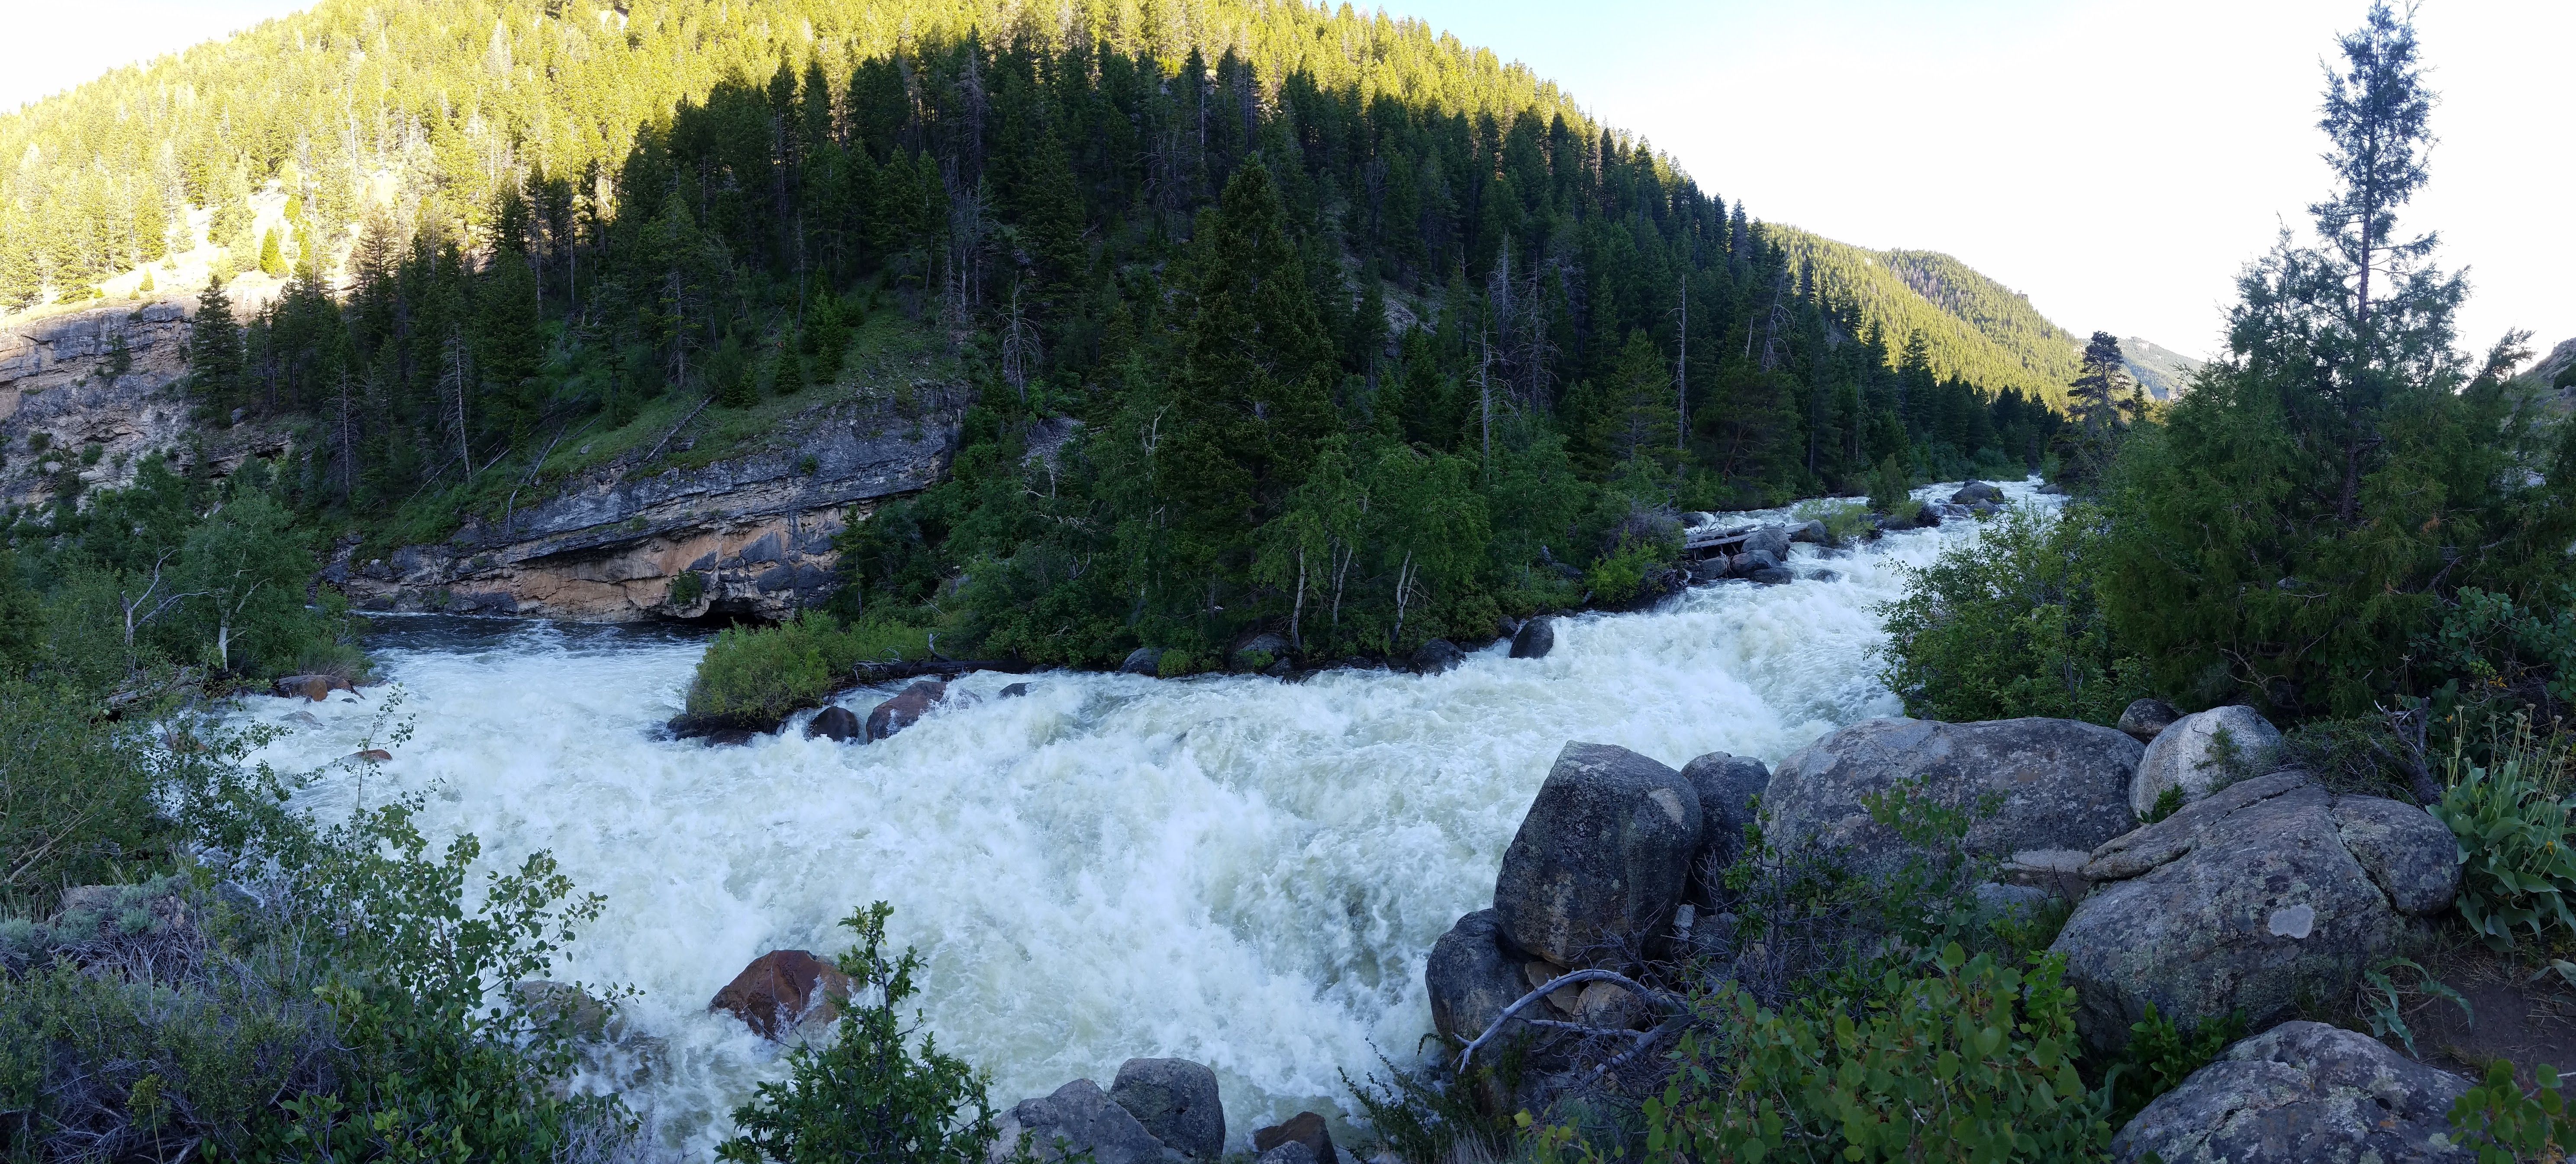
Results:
<point x="1079" y="1118"/>
<point x="2054" y="784"/>
<point x="836" y="723"/>
<point x="2302" y="1093"/>
<point x="1471" y="976"/>
<point x="58" y="378"/>
<point x="2266" y="893"/>
<point x="1727" y="786"/>
<point x="1535" y="638"/>
<point x="2145" y="719"/>
<point x="781" y="989"/>
<point x="748" y="537"/>
<point x="1176" y="1101"/>
<point x="1600" y="860"/>
<point x="1305" y="1129"/>
<point x="905" y="709"/>
<point x="2199" y="752"/>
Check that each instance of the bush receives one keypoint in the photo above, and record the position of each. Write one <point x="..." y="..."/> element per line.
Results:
<point x="2009" y="626"/>
<point x="1889" y="487"/>
<point x="2505" y="1125"/>
<point x="2160" y="1055"/>
<point x="1620" y="575"/>
<point x="759" y="674"/>
<point x="868" y="1094"/>
<point x="1965" y="1059"/>
<point x="2517" y="869"/>
<point x="1843" y="520"/>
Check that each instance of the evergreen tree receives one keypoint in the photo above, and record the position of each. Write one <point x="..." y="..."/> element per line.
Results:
<point x="214" y="348"/>
<point x="271" y="260"/>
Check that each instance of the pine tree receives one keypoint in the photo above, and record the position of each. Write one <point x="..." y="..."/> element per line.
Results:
<point x="214" y="348"/>
<point x="271" y="262"/>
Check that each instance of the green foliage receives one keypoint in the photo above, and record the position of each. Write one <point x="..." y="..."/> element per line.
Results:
<point x="2383" y="1004"/>
<point x="1975" y="329"/>
<point x="2011" y="625"/>
<point x="1964" y="1059"/>
<point x="687" y="589"/>
<point x="1621" y="575"/>
<point x="2168" y="802"/>
<point x="1844" y="521"/>
<point x="2159" y="1056"/>
<point x="1889" y="486"/>
<point x="2505" y="1125"/>
<point x="881" y="1090"/>
<point x="758" y="674"/>
<point x="2517" y="859"/>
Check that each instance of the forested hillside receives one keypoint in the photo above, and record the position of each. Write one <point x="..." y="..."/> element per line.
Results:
<point x="1360" y="336"/>
<point x="1973" y="328"/>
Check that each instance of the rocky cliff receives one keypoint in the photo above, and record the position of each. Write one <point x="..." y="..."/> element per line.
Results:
<point x="60" y="389"/>
<point x="747" y="537"/>
<point x="748" y="534"/>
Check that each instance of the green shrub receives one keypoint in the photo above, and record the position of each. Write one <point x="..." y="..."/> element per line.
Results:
<point x="1889" y="487"/>
<point x="1175" y="663"/>
<point x="762" y="673"/>
<point x="1621" y="574"/>
<point x="868" y="1094"/>
<point x="1965" y="1059"/>
<point x="687" y="588"/>
<point x="2517" y="869"/>
<point x="2008" y="626"/>
<point x="1843" y="520"/>
<point x="2505" y="1125"/>
<point x="2160" y="1055"/>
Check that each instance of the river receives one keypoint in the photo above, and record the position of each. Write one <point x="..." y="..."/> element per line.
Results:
<point x="1239" y="871"/>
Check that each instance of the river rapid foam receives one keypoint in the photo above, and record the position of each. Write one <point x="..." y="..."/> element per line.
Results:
<point x="1240" y="871"/>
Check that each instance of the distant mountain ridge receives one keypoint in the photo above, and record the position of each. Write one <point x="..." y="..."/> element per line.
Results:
<point x="2162" y="371"/>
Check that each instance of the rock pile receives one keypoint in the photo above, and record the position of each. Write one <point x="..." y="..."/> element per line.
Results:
<point x="1159" y="1111"/>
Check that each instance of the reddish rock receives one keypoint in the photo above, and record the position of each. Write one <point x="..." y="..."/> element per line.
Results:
<point x="906" y="709"/>
<point x="780" y="989"/>
<point x="314" y="687"/>
<point x="373" y="755"/>
<point x="1305" y="1128"/>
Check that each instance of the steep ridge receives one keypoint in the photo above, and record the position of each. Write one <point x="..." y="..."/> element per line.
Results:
<point x="1975" y="328"/>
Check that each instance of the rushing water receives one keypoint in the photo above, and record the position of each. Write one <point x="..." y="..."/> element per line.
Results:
<point x="1240" y="871"/>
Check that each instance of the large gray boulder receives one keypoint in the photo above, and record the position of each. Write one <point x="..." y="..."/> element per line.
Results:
<point x="2197" y="753"/>
<point x="1142" y="661"/>
<point x="836" y="723"/>
<point x="2055" y="784"/>
<point x="2267" y="893"/>
<point x="1769" y="539"/>
<point x="1177" y="1102"/>
<point x="1535" y="638"/>
<point x="1435" y="656"/>
<point x="1727" y="786"/>
<point x="1471" y="977"/>
<point x="1079" y="1118"/>
<point x="1600" y="860"/>
<point x="1974" y="492"/>
<point x="2302" y="1093"/>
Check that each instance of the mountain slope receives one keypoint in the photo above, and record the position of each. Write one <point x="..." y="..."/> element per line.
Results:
<point x="2165" y="373"/>
<point x="1976" y="329"/>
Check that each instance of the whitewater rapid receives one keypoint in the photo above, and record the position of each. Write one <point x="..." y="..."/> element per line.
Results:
<point x="1239" y="871"/>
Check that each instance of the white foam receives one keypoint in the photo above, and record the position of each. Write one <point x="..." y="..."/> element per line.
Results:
<point x="1239" y="871"/>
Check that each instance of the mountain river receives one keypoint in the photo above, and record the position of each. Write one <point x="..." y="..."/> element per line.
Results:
<point x="1239" y="871"/>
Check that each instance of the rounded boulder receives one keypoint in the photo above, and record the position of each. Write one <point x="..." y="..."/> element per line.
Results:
<point x="1600" y="860"/>
<point x="2198" y="753"/>
<point x="2302" y="1093"/>
<point x="1176" y="1101"/>
<point x="1535" y="638"/>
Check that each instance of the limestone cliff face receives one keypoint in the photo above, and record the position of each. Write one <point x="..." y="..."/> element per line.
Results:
<point x="755" y="531"/>
<point x="55" y="380"/>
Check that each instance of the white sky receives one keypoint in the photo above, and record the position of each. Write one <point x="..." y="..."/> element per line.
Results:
<point x="2118" y="160"/>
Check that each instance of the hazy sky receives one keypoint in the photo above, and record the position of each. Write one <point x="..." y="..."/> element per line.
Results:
<point x="2118" y="160"/>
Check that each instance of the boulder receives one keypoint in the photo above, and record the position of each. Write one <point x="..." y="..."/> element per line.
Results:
<point x="2197" y="753"/>
<point x="1305" y="1128"/>
<point x="2145" y="719"/>
<point x="1259" y="651"/>
<point x="906" y="709"/>
<point x="781" y="989"/>
<point x="1471" y="977"/>
<point x="1976" y="491"/>
<point x="1601" y="859"/>
<point x="1014" y="691"/>
<point x="1811" y="533"/>
<point x="1771" y="576"/>
<point x="836" y="723"/>
<point x="1288" y="1152"/>
<point x="2052" y="489"/>
<point x="2302" y="1093"/>
<point x="1535" y="638"/>
<point x="1143" y="661"/>
<point x="2057" y="784"/>
<point x="1769" y="539"/>
<point x="1176" y="1100"/>
<point x="314" y="687"/>
<point x="582" y="1015"/>
<point x="1436" y="656"/>
<point x="2264" y="894"/>
<point x="1079" y="1118"/>
<point x="372" y="755"/>
<point x="1727" y="785"/>
<point x="1712" y="568"/>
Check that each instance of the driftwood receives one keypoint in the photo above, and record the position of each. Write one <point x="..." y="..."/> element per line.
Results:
<point x="1642" y="1038"/>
